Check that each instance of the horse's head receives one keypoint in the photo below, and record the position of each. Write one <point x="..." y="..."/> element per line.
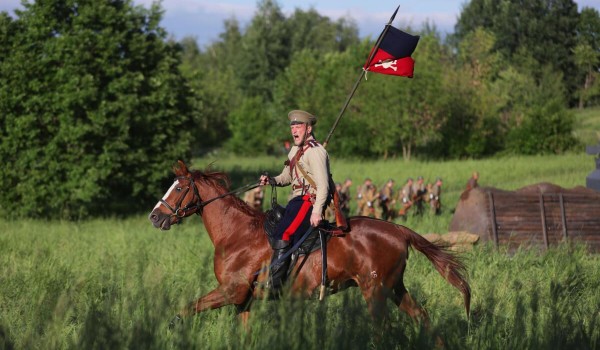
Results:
<point x="181" y="200"/>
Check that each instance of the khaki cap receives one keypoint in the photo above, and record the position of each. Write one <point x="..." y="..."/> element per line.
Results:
<point x="298" y="116"/>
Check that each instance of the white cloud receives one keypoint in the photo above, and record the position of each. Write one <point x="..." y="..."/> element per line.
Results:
<point x="204" y="19"/>
<point x="194" y="6"/>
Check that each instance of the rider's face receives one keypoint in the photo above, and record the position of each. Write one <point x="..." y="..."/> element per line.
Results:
<point x="300" y="132"/>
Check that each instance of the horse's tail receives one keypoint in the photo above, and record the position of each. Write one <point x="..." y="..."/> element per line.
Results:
<point x="447" y="263"/>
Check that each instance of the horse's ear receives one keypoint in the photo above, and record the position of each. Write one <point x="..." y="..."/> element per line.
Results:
<point x="180" y="169"/>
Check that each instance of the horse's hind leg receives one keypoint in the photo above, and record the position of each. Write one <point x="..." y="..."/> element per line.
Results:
<point x="406" y="303"/>
<point x="375" y="298"/>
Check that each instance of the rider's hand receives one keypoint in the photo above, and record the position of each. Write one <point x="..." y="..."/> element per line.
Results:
<point x="265" y="180"/>
<point x="315" y="219"/>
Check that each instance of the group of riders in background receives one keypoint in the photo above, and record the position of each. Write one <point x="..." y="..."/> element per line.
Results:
<point x="387" y="203"/>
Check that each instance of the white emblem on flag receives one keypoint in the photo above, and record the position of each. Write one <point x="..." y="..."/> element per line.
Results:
<point x="388" y="64"/>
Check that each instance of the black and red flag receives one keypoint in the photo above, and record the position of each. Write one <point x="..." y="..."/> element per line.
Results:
<point x="393" y="55"/>
<point x="390" y="55"/>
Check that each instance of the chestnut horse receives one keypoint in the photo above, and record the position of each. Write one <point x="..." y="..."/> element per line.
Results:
<point x="371" y="255"/>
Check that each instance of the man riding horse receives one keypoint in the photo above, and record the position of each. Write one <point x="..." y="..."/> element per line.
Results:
<point x="307" y="170"/>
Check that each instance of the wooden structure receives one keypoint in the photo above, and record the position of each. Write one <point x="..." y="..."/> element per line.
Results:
<point x="540" y="215"/>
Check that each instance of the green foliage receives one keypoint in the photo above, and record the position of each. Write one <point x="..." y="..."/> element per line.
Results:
<point x="264" y="51"/>
<point x="248" y="124"/>
<point x="215" y="94"/>
<point x="587" y="57"/>
<point x="472" y="102"/>
<point x="92" y="108"/>
<point x="543" y="129"/>
<point x="309" y="30"/>
<point x="462" y="101"/>
<point x="547" y="125"/>
<point x="545" y="29"/>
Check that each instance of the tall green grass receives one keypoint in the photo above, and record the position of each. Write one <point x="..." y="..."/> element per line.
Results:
<point x="113" y="283"/>
<point x="587" y="125"/>
<point x="116" y="284"/>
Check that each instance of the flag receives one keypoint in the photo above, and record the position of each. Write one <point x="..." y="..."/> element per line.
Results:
<point x="393" y="54"/>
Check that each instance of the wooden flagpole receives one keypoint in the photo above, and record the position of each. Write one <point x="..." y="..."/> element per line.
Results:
<point x="362" y="74"/>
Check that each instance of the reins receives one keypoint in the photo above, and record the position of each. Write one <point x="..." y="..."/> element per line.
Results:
<point x="236" y="191"/>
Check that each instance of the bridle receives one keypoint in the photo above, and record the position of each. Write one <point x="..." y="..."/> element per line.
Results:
<point x="196" y="204"/>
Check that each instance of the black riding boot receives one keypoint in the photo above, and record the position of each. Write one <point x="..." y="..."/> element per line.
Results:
<point x="279" y="270"/>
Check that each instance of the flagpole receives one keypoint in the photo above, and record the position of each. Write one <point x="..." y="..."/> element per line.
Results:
<point x="362" y="74"/>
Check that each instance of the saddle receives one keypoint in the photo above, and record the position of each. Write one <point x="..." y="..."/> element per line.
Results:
<point x="310" y="244"/>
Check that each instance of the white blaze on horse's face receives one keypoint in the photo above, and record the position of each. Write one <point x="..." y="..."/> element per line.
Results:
<point x="164" y="198"/>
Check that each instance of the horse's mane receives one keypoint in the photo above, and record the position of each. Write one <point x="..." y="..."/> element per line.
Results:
<point x="221" y="180"/>
<point x="216" y="178"/>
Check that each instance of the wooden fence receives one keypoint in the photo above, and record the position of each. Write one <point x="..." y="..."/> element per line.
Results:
<point x="540" y="215"/>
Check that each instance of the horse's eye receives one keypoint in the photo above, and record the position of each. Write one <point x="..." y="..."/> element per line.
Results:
<point x="178" y="189"/>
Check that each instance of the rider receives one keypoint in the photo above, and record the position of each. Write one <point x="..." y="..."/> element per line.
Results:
<point x="307" y="170"/>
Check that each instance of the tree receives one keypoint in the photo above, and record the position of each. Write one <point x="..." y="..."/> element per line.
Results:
<point x="544" y="28"/>
<point x="587" y="54"/>
<point x="545" y="125"/>
<point x="424" y="116"/>
<point x="310" y="30"/>
<point x="588" y="27"/>
<point x="94" y="109"/>
<point x="473" y="126"/>
<point x="214" y="86"/>
<point x="249" y="123"/>
<point x="586" y="59"/>
<point x="264" y="50"/>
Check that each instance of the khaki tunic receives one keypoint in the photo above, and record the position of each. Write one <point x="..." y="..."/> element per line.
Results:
<point x="386" y="197"/>
<point x="436" y="191"/>
<point x="434" y="195"/>
<point x="407" y="193"/>
<point x="367" y="195"/>
<point x="418" y="189"/>
<point x="315" y="163"/>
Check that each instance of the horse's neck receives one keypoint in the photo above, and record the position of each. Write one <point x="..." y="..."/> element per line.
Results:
<point x="222" y="216"/>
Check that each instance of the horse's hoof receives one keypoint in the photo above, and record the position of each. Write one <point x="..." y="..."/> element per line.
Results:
<point x="174" y="322"/>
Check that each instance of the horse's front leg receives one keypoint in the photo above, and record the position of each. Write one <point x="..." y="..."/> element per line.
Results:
<point x="220" y="296"/>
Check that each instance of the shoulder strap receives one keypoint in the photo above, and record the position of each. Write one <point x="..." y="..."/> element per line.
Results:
<point x="308" y="178"/>
<point x="292" y="163"/>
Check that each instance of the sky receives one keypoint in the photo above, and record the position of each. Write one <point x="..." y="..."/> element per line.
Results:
<point x="203" y="19"/>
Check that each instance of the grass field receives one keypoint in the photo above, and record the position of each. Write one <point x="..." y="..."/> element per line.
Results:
<point x="111" y="283"/>
<point x="587" y="126"/>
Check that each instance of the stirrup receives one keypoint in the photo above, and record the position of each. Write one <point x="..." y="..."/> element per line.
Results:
<point x="262" y="284"/>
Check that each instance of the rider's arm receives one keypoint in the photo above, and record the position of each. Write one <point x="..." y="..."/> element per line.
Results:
<point x="317" y="162"/>
<point x="285" y="178"/>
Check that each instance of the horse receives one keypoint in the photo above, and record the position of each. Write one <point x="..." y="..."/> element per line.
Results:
<point x="371" y="255"/>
